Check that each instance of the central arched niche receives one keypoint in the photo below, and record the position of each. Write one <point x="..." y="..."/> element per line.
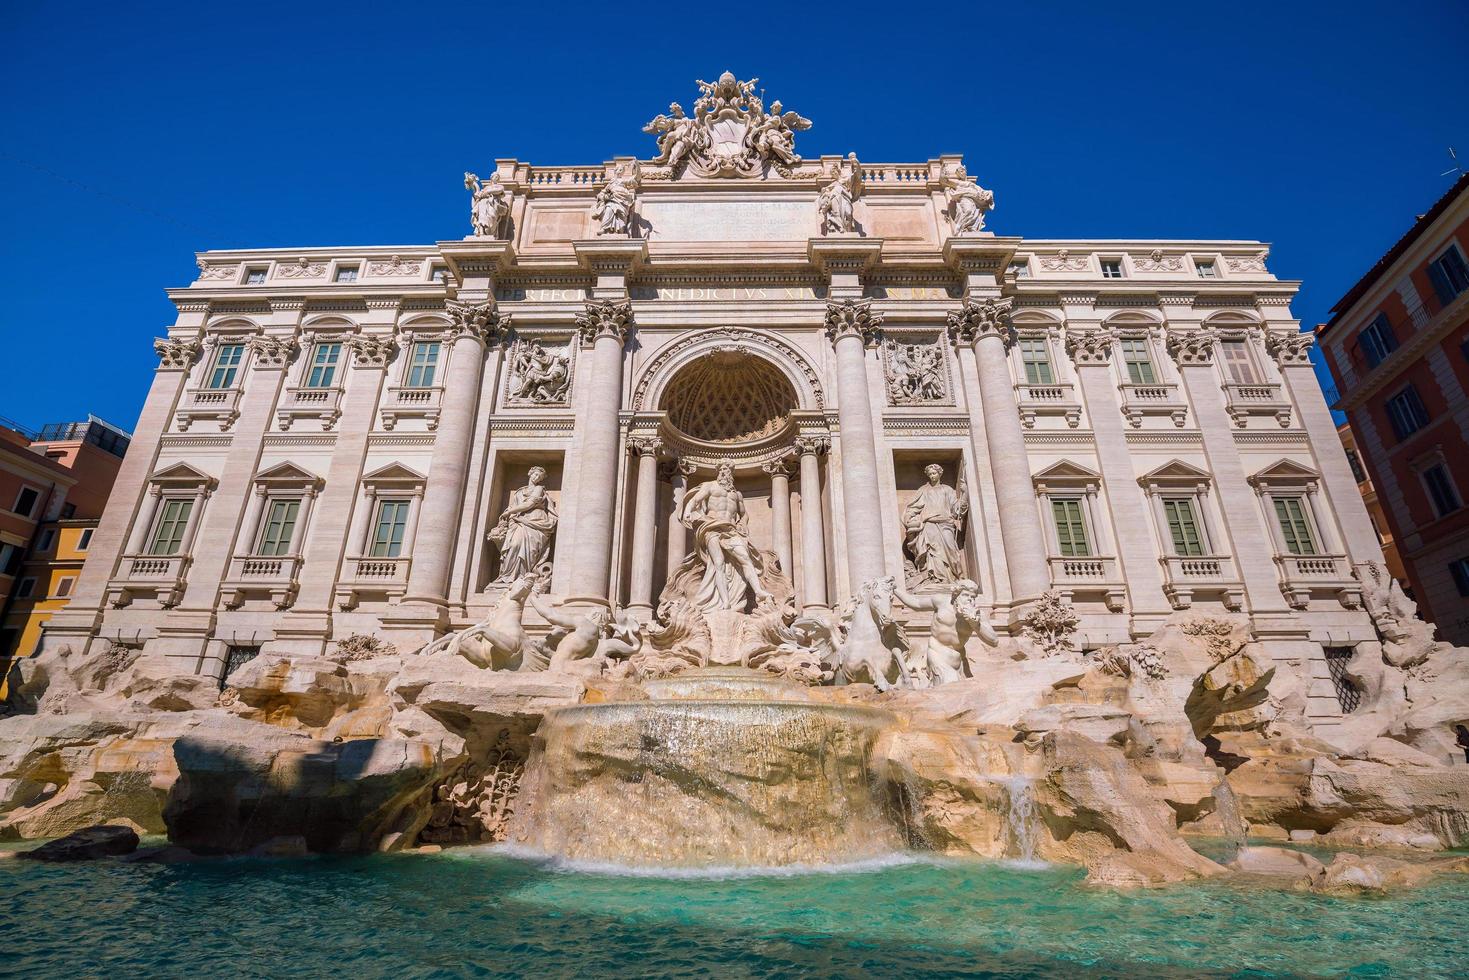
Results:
<point x="729" y="397"/>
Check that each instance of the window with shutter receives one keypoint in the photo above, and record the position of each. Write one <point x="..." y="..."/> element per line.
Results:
<point x="1291" y="513"/>
<point x="1139" y="361"/>
<point x="387" y="539"/>
<point x="1450" y="275"/>
<point x="168" y="534"/>
<point x="1241" y="365"/>
<point x="1036" y="355"/>
<point x="279" y="529"/>
<point x="1070" y="529"/>
<point x="1183" y="527"/>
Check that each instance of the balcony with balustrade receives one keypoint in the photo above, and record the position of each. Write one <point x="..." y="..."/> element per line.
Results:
<point x="1094" y="577"/>
<point x="1190" y="577"/>
<point x="158" y="577"/>
<point x="403" y="402"/>
<point x="322" y="404"/>
<point x="1307" y="577"/>
<point x="275" y="578"/>
<point x="1245" y="400"/>
<point x="1040" y="400"/>
<point x="219" y="405"/>
<point x="1139" y="401"/>
<point x="372" y="579"/>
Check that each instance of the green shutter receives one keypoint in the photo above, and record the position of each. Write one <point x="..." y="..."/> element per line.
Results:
<point x="280" y="527"/>
<point x="1070" y="530"/>
<point x="1291" y="514"/>
<point x="1183" y="528"/>
<point x="168" y="536"/>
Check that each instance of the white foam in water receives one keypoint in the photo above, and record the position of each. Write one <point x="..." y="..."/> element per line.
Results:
<point x="552" y="862"/>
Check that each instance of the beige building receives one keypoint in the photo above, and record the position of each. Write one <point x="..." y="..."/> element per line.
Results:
<point x="342" y="440"/>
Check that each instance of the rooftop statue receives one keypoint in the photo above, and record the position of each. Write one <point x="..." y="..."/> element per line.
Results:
<point x="834" y="203"/>
<point x="613" y="208"/>
<point x="730" y="133"/>
<point x="968" y="202"/>
<point x="491" y="206"/>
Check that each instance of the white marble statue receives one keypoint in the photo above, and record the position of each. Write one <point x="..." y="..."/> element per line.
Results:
<point x="678" y="136"/>
<point x="614" y="204"/>
<point x="541" y="376"/>
<point x="523" y="532"/>
<point x="774" y="137"/>
<point x="834" y="203"/>
<point x="956" y="617"/>
<point x="497" y="643"/>
<point x="931" y="524"/>
<point x="873" y="646"/>
<point x="715" y="512"/>
<point x="590" y="640"/>
<point x="490" y="207"/>
<point x="967" y="201"/>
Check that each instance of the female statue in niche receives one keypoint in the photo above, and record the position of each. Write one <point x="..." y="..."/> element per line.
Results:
<point x="523" y="532"/>
<point x="931" y="524"/>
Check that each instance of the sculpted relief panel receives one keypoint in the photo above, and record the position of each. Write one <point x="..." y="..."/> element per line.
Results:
<point x="540" y="373"/>
<point x="917" y="373"/>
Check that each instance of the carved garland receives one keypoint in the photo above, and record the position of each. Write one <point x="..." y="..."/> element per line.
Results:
<point x="727" y="339"/>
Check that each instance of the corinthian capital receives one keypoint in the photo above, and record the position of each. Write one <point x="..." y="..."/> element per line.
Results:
<point x="1090" y="346"/>
<point x="813" y="445"/>
<point x="852" y="318"/>
<point x="644" y="445"/>
<point x="607" y="318"/>
<point x="175" y="355"/>
<point x="978" y="319"/>
<point x="1191" y="348"/>
<point x="273" y="352"/>
<point x="369" y="351"/>
<point x="1289" y="348"/>
<point x="480" y="320"/>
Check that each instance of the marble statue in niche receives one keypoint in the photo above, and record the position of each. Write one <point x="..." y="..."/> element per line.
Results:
<point x="538" y="375"/>
<point x="524" y="531"/>
<point x="490" y="206"/>
<point x="932" y="522"/>
<point x="715" y="512"/>
<point x="614" y="204"/>
<point x="916" y="373"/>
<point x="968" y="202"/>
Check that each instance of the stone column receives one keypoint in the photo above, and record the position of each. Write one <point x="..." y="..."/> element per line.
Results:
<point x="645" y="526"/>
<point x="850" y="325"/>
<point x="780" y="511"/>
<point x="1137" y="552"/>
<point x="443" y="499"/>
<point x="251" y="527"/>
<point x="604" y="326"/>
<point x="1251" y="539"/>
<point x="985" y="326"/>
<point x="1292" y="351"/>
<point x="813" y="531"/>
<point x="678" y="477"/>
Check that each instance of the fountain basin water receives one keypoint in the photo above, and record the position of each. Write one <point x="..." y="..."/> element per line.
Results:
<point x="727" y="781"/>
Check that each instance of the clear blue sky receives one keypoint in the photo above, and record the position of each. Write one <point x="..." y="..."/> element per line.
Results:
<point x="135" y="134"/>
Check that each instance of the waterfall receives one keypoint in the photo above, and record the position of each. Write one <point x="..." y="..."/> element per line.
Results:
<point x="1020" y="818"/>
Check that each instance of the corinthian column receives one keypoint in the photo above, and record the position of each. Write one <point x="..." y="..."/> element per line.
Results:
<point x="645" y="525"/>
<point x="850" y="325"/>
<point x="604" y="326"/>
<point x="985" y="325"/>
<point x="475" y="325"/>
<point x="780" y="511"/>
<point x="678" y="473"/>
<point x="813" y="532"/>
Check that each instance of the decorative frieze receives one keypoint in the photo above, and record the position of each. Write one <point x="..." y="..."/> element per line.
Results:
<point x="207" y="271"/>
<point x="1157" y="261"/>
<point x="1064" y="261"/>
<point x="302" y="268"/>
<point x="1246" y="263"/>
<point x="395" y="266"/>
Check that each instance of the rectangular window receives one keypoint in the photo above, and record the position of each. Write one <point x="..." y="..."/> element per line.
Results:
<point x="1241" y="365"/>
<point x="25" y="588"/>
<point x="387" y="539"/>
<point x="1035" y="352"/>
<point x="85" y="540"/>
<point x="43" y="543"/>
<point x="63" y="587"/>
<point x="423" y="364"/>
<point x="1205" y="269"/>
<point x="9" y="559"/>
<point x="1070" y="529"/>
<point x="1406" y="412"/>
<point x="1377" y="340"/>
<point x="1111" y="268"/>
<point x="1355" y="462"/>
<point x="168" y="534"/>
<point x="1021" y="269"/>
<point x="1183" y="527"/>
<point x="439" y="273"/>
<point x="1450" y="275"/>
<point x="1441" y="490"/>
<point x="346" y="273"/>
<point x="1459" y="569"/>
<point x="25" y="501"/>
<point x="324" y="360"/>
<point x="227" y="362"/>
<point x="279" y="528"/>
<point x="1291" y="512"/>
<point x="254" y="277"/>
<point x="234" y="659"/>
<point x="1139" y="361"/>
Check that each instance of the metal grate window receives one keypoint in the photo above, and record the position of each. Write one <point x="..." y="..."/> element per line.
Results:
<point x="1347" y="693"/>
<point x="234" y="658"/>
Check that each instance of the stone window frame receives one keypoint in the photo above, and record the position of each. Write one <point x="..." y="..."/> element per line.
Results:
<point x="1180" y="480"/>
<point x="1045" y="329"/>
<point x="1288" y="478"/>
<point x="283" y="481"/>
<point x="233" y="331"/>
<point x="1119" y="260"/>
<point x="178" y="481"/>
<point x="1421" y="465"/>
<point x="393" y="481"/>
<point x="1210" y="262"/>
<point x="247" y="271"/>
<point x="1067" y="479"/>
<point x="341" y="266"/>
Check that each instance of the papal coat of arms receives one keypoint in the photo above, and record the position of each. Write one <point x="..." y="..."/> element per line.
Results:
<point x="729" y="135"/>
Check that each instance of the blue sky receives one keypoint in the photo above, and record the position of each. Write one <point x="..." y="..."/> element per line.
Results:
<point x="132" y="135"/>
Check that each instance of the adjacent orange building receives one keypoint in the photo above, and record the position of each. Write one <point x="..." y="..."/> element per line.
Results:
<point x="54" y="484"/>
<point x="1398" y="346"/>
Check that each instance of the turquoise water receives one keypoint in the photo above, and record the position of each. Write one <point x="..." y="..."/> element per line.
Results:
<point x="478" y="913"/>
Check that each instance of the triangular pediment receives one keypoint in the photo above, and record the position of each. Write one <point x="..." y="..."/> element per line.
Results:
<point x="394" y="473"/>
<point x="1285" y="471"/>
<point x="1066" y="471"/>
<point x="1176" y="471"/>
<point x="286" y="473"/>
<point x="181" y="473"/>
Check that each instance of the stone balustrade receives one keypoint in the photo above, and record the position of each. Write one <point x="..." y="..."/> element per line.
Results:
<point x="1162" y="398"/>
<point x="403" y="402"/>
<point x="1244" y="400"/>
<point x="1187" y="577"/>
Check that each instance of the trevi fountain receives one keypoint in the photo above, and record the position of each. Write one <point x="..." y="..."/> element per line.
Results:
<point x="731" y="561"/>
